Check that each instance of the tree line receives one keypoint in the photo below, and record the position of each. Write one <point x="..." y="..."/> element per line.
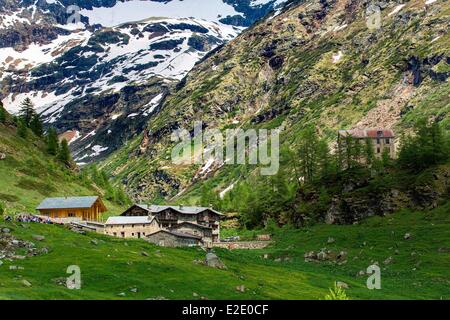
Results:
<point x="312" y="165"/>
<point x="28" y="120"/>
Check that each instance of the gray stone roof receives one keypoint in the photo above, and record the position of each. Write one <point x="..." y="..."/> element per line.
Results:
<point x="129" y="220"/>
<point x="181" y="209"/>
<point x="67" y="203"/>
<point x="193" y="224"/>
<point x="176" y="233"/>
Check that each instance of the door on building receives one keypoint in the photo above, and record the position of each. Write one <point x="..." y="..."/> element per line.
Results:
<point x="139" y="235"/>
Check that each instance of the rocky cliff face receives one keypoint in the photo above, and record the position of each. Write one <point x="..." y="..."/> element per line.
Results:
<point x="355" y="202"/>
<point x="81" y="75"/>
<point x="335" y="64"/>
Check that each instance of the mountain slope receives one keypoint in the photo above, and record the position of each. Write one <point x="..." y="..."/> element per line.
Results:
<point x="29" y="174"/>
<point x="116" y="48"/>
<point x="318" y="62"/>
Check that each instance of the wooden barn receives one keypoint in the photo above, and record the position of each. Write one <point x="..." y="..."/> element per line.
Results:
<point x="68" y="209"/>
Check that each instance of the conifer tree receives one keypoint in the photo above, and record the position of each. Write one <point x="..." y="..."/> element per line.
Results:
<point x="308" y="153"/>
<point x="2" y="114"/>
<point x="121" y="197"/>
<point x="52" y="142"/>
<point x="429" y="146"/>
<point x="22" y="129"/>
<point x="64" y="152"/>
<point x="368" y="152"/>
<point x="26" y="112"/>
<point x="36" y="125"/>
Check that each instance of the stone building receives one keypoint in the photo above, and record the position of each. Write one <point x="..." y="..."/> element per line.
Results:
<point x="383" y="140"/>
<point x="204" y="232"/>
<point x="200" y="221"/>
<point x="131" y="227"/>
<point x="171" y="238"/>
<point x="137" y="210"/>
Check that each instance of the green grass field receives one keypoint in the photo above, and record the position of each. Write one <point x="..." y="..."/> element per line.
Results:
<point x="419" y="270"/>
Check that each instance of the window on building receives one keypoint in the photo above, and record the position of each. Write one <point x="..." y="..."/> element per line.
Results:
<point x="388" y="141"/>
<point x="71" y="214"/>
<point x="378" y="140"/>
<point x="378" y="150"/>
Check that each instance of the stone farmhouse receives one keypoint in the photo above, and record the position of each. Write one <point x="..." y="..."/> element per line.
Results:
<point x="179" y="225"/>
<point x="170" y="238"/>
<point x="131" y="227"/>
<point x="383" y="140"/>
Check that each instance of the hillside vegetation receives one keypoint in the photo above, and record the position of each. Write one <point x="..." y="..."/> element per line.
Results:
<point x="28" y="173"/>
<point x="316" y="64"/>
<point x="412" y="267"/>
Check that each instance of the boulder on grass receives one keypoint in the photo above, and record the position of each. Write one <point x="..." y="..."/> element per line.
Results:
<point x="213" y="261"/>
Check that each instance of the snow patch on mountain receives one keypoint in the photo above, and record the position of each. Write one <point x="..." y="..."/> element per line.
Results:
<point x="145" y="53"/>
<point x="276" y="3"/>
<point x="136" y="10"/>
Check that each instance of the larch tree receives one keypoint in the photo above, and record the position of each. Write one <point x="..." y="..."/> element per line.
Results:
<point x="2" y="114"/>
<point x="52" y="141"/>
<point x="64" y="152"/>
<point x="36" y="125"/>
<point x="27" y="112"/>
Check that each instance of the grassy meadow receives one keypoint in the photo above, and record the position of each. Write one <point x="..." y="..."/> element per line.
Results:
<point x="134" y="269"/>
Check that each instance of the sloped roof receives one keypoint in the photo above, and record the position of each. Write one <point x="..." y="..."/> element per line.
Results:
<point x="192" y="224"/>
<point x="182" y="209"/>
<point x="176" y="233"/>
<point x="143" y="206"/>
<point x="367" y="133"/>
<point x="380" y="133"/>
<point x="129" y="220"/>
<point x="67" y="203"/>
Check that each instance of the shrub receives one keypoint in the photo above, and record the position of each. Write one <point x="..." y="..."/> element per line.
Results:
<point x="336" y="293"/>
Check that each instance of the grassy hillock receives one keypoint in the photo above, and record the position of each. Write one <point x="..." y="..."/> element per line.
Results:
<point x="29" y="174"/>
<point x="418" y="267"/>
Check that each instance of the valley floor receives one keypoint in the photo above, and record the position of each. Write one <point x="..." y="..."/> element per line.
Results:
<point x="417" y="268"/>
